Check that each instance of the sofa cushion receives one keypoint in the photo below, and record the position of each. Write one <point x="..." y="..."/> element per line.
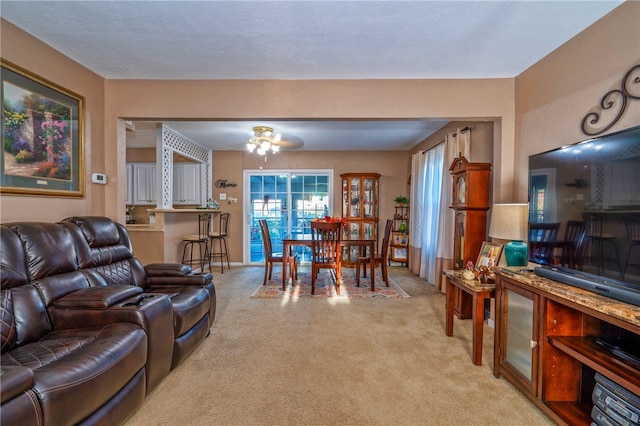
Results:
<point x="77" y="370"/>
<point x="24" y="317"/>
<point x="15" y="380"/>
<point x="12" y="260"/>
<point x="48" y="247"/>
<point x="109" y="255"/>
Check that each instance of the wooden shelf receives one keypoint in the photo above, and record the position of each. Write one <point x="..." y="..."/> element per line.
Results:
<point x="563" y="366"/>
<point x="572" y="413"/>
<point x="588" y="352"/>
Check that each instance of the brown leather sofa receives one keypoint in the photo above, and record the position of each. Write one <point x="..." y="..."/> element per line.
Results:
<point x="87" y="331"/>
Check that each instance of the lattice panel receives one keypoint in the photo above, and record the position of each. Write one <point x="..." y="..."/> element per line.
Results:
<point x="167" y="176"/>
<point x="598" y="182"/>
<point x="184" y="146"/>
<point x="630" y="151"/>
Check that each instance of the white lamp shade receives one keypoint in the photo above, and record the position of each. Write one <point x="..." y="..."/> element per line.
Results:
<point x="509" y="221"/>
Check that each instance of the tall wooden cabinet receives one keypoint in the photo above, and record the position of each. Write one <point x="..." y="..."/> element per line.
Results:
<point x="470" y="202"/>
<point x="549" y="343"/>
<point x="360" y="206"/>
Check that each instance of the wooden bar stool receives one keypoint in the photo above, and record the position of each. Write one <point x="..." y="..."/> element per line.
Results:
<point x="221" y="237"/>
<point x="201" y="239"/>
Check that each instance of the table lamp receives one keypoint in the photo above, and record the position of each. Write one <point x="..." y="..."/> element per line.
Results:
<point x="510" y="222"/>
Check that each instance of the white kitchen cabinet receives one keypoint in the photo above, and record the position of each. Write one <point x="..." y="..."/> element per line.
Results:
<point x="129" y="199"/>
<point x="186" y="184"/>
<point x="144" y="183"/>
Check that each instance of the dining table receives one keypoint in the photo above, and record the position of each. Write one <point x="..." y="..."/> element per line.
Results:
<point x="304" y="240"/>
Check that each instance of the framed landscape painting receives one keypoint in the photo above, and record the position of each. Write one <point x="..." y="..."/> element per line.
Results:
<point x="42" y="136"/>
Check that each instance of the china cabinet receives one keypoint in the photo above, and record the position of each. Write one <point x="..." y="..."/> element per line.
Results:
<point x="359" y="210"/>
<point x="470" y="202"/>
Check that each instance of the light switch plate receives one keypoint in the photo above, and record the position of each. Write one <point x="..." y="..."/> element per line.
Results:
<point x="223" y="196"/>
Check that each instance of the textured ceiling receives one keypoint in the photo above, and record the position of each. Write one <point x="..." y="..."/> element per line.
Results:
<point x="305" y="39"/>
<point x="301" y="40"/>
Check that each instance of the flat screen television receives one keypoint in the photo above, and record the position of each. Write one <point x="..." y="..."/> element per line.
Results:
<point x="592" y="186"/>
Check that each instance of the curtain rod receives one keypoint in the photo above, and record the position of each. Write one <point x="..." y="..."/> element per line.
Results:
<point x="425" y="151"/>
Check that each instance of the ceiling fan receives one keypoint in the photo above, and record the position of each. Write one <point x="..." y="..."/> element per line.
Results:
<point x="265" y="140"/>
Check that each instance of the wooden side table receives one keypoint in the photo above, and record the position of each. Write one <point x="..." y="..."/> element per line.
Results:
<point x="479" y="293"/>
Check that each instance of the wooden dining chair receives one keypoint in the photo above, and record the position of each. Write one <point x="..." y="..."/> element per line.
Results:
<point x="573" y="244"/>
<point x="543" y="241"/>
<point x="325" y="251"/>
<point x="270" y="257"/>
<point x="380" y="258"/>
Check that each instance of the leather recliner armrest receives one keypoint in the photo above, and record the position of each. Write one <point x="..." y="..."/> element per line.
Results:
<point x="175" y="274"/>
<point x="97" y="297"/>
<point x="167" y="270"/>
<point x="15" y="380"/>
<point x="192" y="279"/>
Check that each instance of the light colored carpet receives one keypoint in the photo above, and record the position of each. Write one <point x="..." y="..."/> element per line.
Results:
<point x="326" y="287"/>
<point x="334" y="362"/>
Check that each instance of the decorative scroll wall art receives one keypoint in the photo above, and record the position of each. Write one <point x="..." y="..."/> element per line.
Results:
<point x="42" y="136"/>
<point x="613" y="104"/>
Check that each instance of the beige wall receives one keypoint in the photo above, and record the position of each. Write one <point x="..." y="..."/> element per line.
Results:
<point x="38" y="58"/>
<point x="359" y="99"/>
<point x="554" y="95"/>
<point x="545" y="105"/>
<point x="230" y="165"/>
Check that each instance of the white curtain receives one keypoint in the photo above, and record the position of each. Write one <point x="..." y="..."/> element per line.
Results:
<point x="432" y="221"/>
<point x="428" y="168"/>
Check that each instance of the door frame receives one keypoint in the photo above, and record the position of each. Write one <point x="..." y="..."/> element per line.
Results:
<point x="246" y="207"/>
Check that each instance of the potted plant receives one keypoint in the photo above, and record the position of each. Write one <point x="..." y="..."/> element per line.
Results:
<point x="401" y="200"/>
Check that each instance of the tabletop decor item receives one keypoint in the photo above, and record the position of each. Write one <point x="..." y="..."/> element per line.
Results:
<point x="401" y="200"/>
<point x="330" y="219"/>
<point x="468" y="273"/>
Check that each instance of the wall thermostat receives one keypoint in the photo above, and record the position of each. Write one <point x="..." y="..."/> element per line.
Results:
<point x="99" y="178"/>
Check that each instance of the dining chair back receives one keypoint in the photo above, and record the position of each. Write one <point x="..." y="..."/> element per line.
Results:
<point x="632" y="225"/>
<point x="542" y="241"/>
<point x="574" y="244"/>
<point x="201" y="239"/>
<point x="325" y="251"/>
<point x="221" y="237"/>
<point x="380" y="258"/>
<point x="270" y="257"/>
<point x="602" y="248"/>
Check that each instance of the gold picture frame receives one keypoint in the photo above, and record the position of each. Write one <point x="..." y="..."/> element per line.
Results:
<point x="43" y="136"/>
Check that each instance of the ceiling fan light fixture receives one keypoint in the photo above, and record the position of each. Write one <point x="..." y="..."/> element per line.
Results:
<point x="263" y="140"/>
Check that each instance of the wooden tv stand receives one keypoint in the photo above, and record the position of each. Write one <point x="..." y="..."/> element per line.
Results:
<point x="545" y="343"/>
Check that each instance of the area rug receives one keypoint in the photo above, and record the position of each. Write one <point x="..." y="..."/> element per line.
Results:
<point x="325" y="287"/>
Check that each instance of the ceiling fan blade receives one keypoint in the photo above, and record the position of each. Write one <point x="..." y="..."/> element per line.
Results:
<point x="291" y="143"/>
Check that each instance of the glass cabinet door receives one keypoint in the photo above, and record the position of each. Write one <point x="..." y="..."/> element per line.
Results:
<point x="520" y="350"/>
<point x="368" y="202"/>
<point x="519" y="333"/>
<point x="354" y="198"/>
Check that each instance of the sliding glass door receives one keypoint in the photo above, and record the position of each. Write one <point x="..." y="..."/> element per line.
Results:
<point x="288" y="201"/>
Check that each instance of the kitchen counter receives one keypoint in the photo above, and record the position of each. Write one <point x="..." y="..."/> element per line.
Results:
<point x="184" y="210"/>
<point x="162" y="241"/>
